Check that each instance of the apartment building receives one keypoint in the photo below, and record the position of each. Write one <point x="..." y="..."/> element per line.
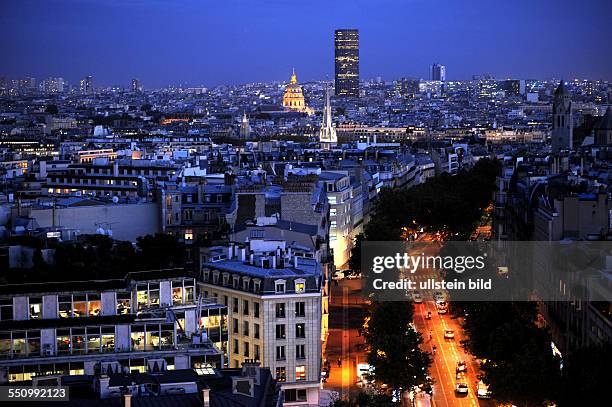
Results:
<point x="273" y="291"/>
<point x="143" y="320"/>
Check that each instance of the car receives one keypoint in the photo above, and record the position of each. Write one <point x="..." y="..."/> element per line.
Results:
<point x="449" y="334"/>
<point x="461" y="388"/>
<point x="461" y="366"/>
<point x="482" y="390"/>
<point x="417" y="297"/>
<point x="438" y="296"/>
<point x="442" y="310"/>
<point x="338" y="275"/>
<point x="428" y="316"/>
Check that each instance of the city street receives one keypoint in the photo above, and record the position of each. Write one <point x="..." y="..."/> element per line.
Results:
<point x="448" y="353"/>
<point x="344" y="343"/>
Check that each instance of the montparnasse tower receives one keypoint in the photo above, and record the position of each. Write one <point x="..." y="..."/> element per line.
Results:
<point x="293" y="99"/>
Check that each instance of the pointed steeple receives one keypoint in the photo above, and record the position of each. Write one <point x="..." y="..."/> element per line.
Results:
<point x="293" y="76"/>
<point x="327" y="132"/>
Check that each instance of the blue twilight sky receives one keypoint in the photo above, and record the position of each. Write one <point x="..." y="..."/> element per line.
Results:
<point x="205" y="42"/>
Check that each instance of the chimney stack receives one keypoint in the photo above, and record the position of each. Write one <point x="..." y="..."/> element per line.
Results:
<point x="206" y="397"/>
<point x="127" y="400"/>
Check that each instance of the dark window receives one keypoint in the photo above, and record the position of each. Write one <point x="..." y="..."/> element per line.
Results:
<point x="280" y="332"/>
<point x="300" y="309"/>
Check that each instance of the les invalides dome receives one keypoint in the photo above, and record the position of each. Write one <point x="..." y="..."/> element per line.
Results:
<point x="293" y="99"/>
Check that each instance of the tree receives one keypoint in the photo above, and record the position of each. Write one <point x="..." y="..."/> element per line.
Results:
<point x="355" y="259"/>
<point x="160" y="251"/>
<point x="366" y="400"/>
<point x="394" y="346"/>
<point x="586" y="373"/>
<point x="520" y="367"/>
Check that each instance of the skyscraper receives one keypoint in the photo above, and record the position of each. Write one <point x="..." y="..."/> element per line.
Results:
<point x="437" y="73"/>
<point x="86" y="85"/>
<point x="136" y="86"/>
<point x="346" y="46"/>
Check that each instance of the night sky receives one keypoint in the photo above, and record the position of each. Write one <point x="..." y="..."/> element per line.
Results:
<point x="206" y="42"/>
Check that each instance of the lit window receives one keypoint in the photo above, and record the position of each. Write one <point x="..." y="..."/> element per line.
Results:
<point x="300" y="373"/>
<point x="300" y="287"/>
<point x="188" y="234"/>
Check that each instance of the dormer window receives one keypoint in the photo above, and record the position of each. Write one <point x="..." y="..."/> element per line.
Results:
<point x="206" y="274"/>
<point x="300" y="286"/>
<point x="245" y="284"/>
<point x="279" y="286"/>
<point x="225" y="279"/>
<point x="256" y="286"/>
<point x="216" y="277"/>
<point x="236" y="282"/>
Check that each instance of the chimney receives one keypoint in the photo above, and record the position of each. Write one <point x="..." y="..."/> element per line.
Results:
<point x="230" y="251"/>
<point x="273" y="262"/>
<point x="127" y="400"/>
<point x="295" y="261"/>
<point x="243" y="254"/>
<point x="206" y="397"/>
<point x="251" y="259"/>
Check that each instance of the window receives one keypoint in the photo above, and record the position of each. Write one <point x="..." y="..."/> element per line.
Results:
<point x="245" y="285"/>
<point x="236" y="347"/>
<point x="124" y="300"/>
<point x="300" y="351"/>
<point x="256" y="352"/>
<point x="295" y="395"/>
<point x="300" y="286"/>
<point x="300" y="330"/>
<point x="236" y="281"/>
<point x="245" y="307"/>
<point x="281" y="374"/>
<point x="177" y="292"/>
<point x="256" y="331"/>
<point x="35" y="307"/>
<point x="280" y="353"/>
<point x="280" y="310"/>
<point x="235" y="307"/>
<point x="245" y="349"/>
<point x="280" y="331"/>
<point x="280" y="287"/>
<point x="256" y="311"/>
<point x="300" y="309"/>
<point x="256" y="286"/>
<point x="235" y="326"/>
<point x="6" y="309"/>
<point x="245" y="328"/>
<point x="94" y="305"/>
<point x="300" y="373"/>
<point x="154" y="294"/>
<point x="225" y="300"/>
<point x="188" y="232"/>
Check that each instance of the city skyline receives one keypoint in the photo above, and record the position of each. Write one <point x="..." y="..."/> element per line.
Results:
<point x="118" y="41"/>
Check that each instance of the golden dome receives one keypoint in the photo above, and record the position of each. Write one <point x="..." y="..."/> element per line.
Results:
<point x="293" y="99"/>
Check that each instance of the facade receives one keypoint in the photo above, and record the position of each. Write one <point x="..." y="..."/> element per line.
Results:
<point x="563" y="125"/>
<point x="273" y="290"/>
<point x="437" y="73"/>
<point x="86" y="85"/>
<point x="346" y="46"/>
<point x="77" y="327"/>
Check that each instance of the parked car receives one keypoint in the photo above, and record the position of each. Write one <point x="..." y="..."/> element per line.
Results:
<point x="449" y="334"/>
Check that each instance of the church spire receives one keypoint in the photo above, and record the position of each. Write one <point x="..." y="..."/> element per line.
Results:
<point x="293" y="76"/>
<point x="327" y="132"/>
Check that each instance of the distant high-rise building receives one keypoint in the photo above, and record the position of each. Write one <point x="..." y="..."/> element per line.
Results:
<point x="52" y="85"/>
<point x="563" y="127"/>
<point x="86" y="85"/>
<point x="346" y="56"/>
<point x="437" y="73"/>
<point x="512" y="87"/>
<point x="136" y="86"/>
<point x="408" y="87"/>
